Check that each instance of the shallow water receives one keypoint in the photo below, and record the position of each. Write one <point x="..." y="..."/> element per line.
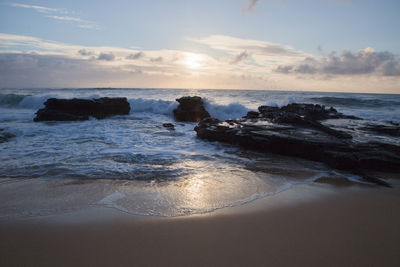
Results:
<point x="133" y="164"/>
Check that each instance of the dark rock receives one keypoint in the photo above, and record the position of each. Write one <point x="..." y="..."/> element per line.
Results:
<point x="295" y="130"/>
<point x="300" y="112"/>
<point x="169" y="125"/>
<point x="315" y="112"/>
<point x="5" y="136"/>
<point x="391" y="129"/>
<point x="81" y="109"/>
<point x="267" y="109"/>
<point x="191" y="108"/>
<point x="252" y="114"/>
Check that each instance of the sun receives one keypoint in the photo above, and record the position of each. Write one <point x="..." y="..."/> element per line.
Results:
<point x="193" y="61"/>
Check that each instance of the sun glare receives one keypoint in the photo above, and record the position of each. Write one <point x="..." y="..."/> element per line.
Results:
<point x="193" y="61"/>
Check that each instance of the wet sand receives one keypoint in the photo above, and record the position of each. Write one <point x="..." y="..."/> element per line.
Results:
<point x="309" y="225"/>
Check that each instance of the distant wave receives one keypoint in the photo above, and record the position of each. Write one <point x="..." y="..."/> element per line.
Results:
<point x="355" y="102"/>
<point x="164" y="107"/>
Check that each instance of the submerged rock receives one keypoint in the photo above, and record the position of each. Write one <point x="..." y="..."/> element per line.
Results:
<point x="169" y="126"/>
<point x="5" y="136"/>
<point x="81" y="109"/>
<point x="191" y="108"/>
<point x="296" y="130"/>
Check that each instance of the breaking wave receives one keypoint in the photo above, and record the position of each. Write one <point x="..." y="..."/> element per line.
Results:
<point x="163" y="107"/>
<point x="224" y="112"/>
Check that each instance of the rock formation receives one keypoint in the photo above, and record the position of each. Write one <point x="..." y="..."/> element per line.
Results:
<point x="81" y="109"/>
<point x="191" y="108"/>
<point x="297" y="130"/>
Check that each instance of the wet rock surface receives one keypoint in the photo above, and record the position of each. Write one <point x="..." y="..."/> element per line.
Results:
<point x="169" y="126"/>
<point x="81" y="109"/>
<point x="191" y="108"/>
<point x="311" y="132"/>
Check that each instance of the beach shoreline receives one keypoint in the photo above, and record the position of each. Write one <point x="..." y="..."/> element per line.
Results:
<point x="307" y="225"/>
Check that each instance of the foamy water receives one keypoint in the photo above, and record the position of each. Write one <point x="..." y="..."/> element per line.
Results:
<point x="133" y="164"/>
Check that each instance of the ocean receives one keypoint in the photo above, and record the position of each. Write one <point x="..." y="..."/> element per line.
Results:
<point x="133" y="164"/>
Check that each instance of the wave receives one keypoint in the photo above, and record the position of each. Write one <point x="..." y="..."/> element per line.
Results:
<point x="163" y="107"/>
<point x="23" y="101"/>
<point x="224" y="112"/>
<point x="355" y="102"/>
<point x="152" y="106"/>
<point x="10" y="100"/>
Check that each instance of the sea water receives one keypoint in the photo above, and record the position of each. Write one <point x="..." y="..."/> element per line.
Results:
<point x="133" y="164"/>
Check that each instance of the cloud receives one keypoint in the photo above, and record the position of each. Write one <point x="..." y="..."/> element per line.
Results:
<point x="89" y="26"/>
<point x="233" y="45"/>
<point x="65" y="18"/>
<point x="157" y="59"/>
<point x="251" y="4"/>
<point x="32" y="70"/>
<point x="106" y="56"/>
<point x="84" y="52"/>
<point x="81" y="23"/>
<point x="135" y="56"/>
<point x="41" y="9"/>
<point x="22" y="70"/>
<point x="28" y="62"/>
<point x="242" y="56"/>
<point x="365" y="61"/>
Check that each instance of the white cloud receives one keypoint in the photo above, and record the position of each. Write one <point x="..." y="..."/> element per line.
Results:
<point x="41" y="9"/>
<point x="235" y="45"/>
<point x="65" y="18"/>
<point x="81" y="23"/>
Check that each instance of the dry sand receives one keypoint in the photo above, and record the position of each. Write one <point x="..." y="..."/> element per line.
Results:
<point x="309" y="225"/>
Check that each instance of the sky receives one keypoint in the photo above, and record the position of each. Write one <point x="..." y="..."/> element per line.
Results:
<point x="320" y="45"/>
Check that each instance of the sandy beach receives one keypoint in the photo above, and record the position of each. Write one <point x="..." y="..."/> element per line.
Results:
<point x="308" y="225"/>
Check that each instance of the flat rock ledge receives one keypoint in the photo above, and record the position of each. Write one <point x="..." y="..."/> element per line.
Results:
<point x="296" y="130"/>
<point x="81" y="109"/>
<point x="190" y="109"/>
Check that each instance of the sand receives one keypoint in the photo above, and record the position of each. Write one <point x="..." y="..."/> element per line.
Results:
<point x="309" y="225"/>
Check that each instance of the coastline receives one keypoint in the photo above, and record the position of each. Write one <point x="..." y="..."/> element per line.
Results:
<point x="307" y="225"/>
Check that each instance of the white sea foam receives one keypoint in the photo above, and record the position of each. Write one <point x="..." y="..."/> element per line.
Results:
<point x="224" y="112"/>
<point x="153" y="106"/>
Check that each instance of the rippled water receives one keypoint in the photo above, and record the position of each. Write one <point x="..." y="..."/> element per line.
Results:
<point x="133" y="164"/>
